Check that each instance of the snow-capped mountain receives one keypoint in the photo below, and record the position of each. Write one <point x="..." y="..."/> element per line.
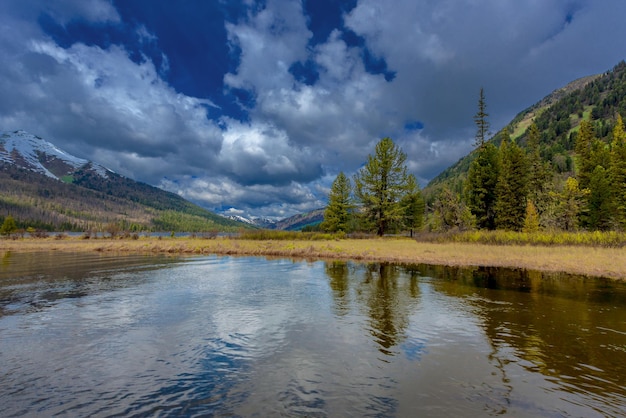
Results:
<point x="80" y="195"/>
<point x="259" y="222"/>
<point x="292" y="223"/>
<point x="31" y="152"/>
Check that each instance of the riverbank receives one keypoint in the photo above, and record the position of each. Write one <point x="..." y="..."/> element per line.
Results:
<point x="592" y="261"/>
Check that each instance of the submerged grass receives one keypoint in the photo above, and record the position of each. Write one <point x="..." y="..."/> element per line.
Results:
<point x="601" y="260"/>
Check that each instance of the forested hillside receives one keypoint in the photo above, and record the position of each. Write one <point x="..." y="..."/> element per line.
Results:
<point x="43" y="187"/>
<point x="559" y="164"/>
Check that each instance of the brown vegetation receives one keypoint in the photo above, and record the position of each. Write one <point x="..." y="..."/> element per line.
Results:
<point x="593" y="261"/>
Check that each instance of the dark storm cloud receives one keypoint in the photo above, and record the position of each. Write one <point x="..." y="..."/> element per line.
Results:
<point x="257" y="106"/>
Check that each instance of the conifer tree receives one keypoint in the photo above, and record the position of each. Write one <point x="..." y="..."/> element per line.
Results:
<point x="570" y="204"/>
<point x="381" y="184"/>
<point x="531" y="221"/>
<point x="538" y="173"/>
<point x="338" y="213"/>
<point x="617" y="173"/>
<point x="482" y="177"/>
<point x="480" y="187"/>
<point x="482" y="123"/>
<point x="584" y="163"/>
<point x="413" y="204"/>
<point x="599" y="207"/>
<point x="512" y="188"/>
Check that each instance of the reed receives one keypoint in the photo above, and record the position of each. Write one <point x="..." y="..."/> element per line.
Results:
<point x="605" y="260"/>
<point x="609" y="239"/>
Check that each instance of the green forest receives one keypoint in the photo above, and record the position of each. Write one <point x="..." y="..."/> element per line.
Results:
<point x="558" y="166"/>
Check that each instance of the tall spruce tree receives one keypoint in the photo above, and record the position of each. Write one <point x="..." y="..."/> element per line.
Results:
<point x="482" y="177"/>
<point x="338" y="213"/>
<point x="480" y="118"/>
<point x="617" y="173"/>
<point x="381" y="184"/>
<point x="480" y="186"/>
<point x="512" y="186"/>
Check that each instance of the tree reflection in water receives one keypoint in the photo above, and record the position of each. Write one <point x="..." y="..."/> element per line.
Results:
<point x="567" y="328"/>
<point x="385" y="292"/>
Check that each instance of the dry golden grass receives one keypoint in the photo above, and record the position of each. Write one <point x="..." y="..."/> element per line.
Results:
<point x="596" y="261"/>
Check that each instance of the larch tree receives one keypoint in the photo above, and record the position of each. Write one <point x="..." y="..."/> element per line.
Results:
<point x="381" y="184"/>
<point x="531" y="220"/>
<point x="338" y="213"/>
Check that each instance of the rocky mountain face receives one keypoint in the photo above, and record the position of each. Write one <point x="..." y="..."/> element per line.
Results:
<point x="30" y="152"/>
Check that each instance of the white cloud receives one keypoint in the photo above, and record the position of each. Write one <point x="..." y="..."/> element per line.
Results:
<point x="270" y="41"/>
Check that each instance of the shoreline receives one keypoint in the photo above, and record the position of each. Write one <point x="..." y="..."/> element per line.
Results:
<point x="580" y="260"/>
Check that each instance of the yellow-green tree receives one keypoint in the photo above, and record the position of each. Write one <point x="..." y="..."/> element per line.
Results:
<point x="8" y="226"/>
<point x="531" y="220"/>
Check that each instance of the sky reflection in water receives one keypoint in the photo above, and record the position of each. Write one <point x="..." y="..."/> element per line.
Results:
<point x="142" y="336"/>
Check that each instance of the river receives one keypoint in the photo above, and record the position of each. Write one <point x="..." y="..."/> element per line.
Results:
<point x="103" y="335"/>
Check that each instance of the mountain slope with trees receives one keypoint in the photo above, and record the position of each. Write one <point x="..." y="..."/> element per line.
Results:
<point x="42" y="187"/>
<point x="562" y="161"/>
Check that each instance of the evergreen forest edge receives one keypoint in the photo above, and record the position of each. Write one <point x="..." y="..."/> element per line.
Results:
<point x="557" y="168"/>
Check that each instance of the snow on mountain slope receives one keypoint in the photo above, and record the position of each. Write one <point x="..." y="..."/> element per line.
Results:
<point x="36" y="154"/>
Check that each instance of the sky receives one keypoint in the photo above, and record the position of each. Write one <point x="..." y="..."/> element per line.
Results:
<point x="253" y="107"/>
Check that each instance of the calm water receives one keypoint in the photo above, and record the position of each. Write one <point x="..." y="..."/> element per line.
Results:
<point x="96" y="335"/>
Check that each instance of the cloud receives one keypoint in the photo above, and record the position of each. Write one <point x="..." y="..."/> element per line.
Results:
<point x="264" y="200"/>
<point x="270" y="41"/>
<point x="103" y="100"/>
<point x="312" y="106"/>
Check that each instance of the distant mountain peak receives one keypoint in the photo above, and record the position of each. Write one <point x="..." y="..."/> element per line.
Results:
<point x="34" y="153"/>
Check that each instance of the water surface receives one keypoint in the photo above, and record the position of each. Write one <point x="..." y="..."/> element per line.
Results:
<point x="99" y="335"/>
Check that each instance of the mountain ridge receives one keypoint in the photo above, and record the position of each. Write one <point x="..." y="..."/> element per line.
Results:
<point x="43" y="186"/>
